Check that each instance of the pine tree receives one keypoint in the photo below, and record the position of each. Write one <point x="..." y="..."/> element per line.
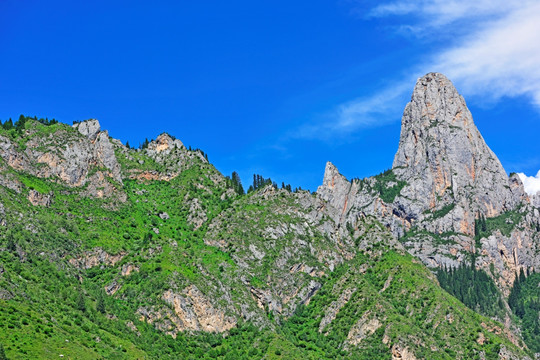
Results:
<point x="8" y="125"/>
<point x="2" y="353"/>
<point x="81" y="304"/>
<point x="237" y="183"/>
<point x="484" y="224"/>
<point x="19" y="124"/>
<point x="127" y="145"/>
<point x="100" y="305"/>
<point x="144" y="145"/>
<point x="522" y="277"/>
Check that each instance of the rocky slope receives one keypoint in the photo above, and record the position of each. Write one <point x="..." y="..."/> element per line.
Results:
<point x="444" y="179"/>
<point x="113" y="252"/>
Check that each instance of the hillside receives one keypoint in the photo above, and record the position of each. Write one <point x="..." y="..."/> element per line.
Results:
<point x="119" y="253"/>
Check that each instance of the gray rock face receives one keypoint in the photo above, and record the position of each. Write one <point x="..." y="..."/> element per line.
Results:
<point x="67" y="156"/>
<point x="104" y="152"/>
<point x="170" y="153"/>
<point x="444" y="159"/>
<point x="535" y="200"/>
<point x="89" y="128"/>
<point x="446" y="177"/>
<point x="163" y="145"/>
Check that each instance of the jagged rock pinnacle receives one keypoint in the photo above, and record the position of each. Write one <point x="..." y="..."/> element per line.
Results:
<point x="89" y="128"/>
<point x="443" y="156"/>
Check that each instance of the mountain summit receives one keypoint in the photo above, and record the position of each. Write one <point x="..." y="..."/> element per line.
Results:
<point x="444" y="180"/>
<point x="444" y="159"/>
<point x="107" y="251"/>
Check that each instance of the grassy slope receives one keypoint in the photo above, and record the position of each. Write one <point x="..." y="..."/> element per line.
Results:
<point x="45" y="309"/>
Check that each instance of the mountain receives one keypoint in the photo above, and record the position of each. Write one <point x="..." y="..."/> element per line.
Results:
<point x="112" y="252"/>
<point x="443" y="180"/>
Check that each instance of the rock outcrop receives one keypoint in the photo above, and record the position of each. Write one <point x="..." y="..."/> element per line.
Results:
<point x="191" y="311"/>
<point x="76" y="158"/>
<point x="36" y="198"/>
<point x="444" y="159"/>
<point x="163" y="145"/>
<point x="96" y="257"/>
<point x="444" y="178"/>
<point x="535" y="200"/>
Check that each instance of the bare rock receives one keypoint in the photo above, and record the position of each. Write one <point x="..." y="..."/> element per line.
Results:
<point x="334" y="308"/>
<point x="163" y="145"/>
<point x="127" y="269"/>
<point x="96" y="257"/>
<point x="402" y="353"/>
<point x="5" y="295"/>
<point x="449" y="178"/>
<point x="443" y="157"/>
<point x="364" y="327"/>
<point x="112" y="288"/>
<point x="535" y="199"/>
<point x="131" y="326"/>
<point x="193" y="311"/>
<point x="36" y="198"/>
<point x="89" y="128"/>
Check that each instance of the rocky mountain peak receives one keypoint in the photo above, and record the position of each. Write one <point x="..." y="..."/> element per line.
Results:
<point x="443" y="157"/>
<point x="335" y="189"/>
<point x="89" y="128"/>
<point x="164" y="143"/>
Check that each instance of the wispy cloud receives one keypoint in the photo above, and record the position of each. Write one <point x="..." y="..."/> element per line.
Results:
<point x="359" y="113"/>
<point x="499" y="54"/>
<point x="434" y="14"/>
<point x="495" y="54"/>
<point x="500" y="59"/>
<point x="530" y="183"/>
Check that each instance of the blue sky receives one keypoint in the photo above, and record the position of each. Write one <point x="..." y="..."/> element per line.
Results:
<point x="274" y="87"/>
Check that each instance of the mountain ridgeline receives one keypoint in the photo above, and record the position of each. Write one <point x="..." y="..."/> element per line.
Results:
<point x="118" y="253"/>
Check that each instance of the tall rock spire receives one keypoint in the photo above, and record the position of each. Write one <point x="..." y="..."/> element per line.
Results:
<point x="444" y="176"/>
<point x="443" y="156"/>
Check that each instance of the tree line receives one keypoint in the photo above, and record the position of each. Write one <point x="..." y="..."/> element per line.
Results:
<point x="19" y="125"/>
<point x="473" y="287"/>
<point x="524" y="300"/>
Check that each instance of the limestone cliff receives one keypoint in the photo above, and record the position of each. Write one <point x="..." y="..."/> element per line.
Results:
<point x="444" y="159"/>
<point x="76" y="158"/>
<point x="444" y="178"/>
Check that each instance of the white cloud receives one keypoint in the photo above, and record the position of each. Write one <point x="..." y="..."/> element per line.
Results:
<point x="530" y="183"/>
<point x="433" y="14"/>
<point x="502" y="58"/>
<point x="377" y="110"/>
<point x="493" y="52"/>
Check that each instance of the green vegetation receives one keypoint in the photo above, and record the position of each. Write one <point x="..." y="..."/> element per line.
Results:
<point x="473" y="287"/>
<point x="397" y="297"/>
<point x="524" y="300"/>
<point x="442" y="212"/>
<point x="65" y="288"/>
<point x="235" y="182"/>
<point x="505" y="223"/>
<point x="259" y="182"/>
<point x="388" y="185"/>
<point x="20" y="124"/>
<point x="416" y="234"/>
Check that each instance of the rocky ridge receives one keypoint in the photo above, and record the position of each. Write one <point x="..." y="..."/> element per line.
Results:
<point x="445" y="178"/>
<point x="182" y="253"/>
<point x="79" y="159"/>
